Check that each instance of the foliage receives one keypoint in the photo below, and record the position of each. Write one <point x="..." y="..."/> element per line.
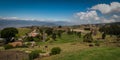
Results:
<point x="69" y="32"/>
<point x="29" y="39"/>
<point x="68" y="38"/>
<point x="60" y="26"/>
<point x="97" y="53"/>
<point x="55" y="50"/>
<point x="54" y="36"/>
<point x="111" y="29"/>
<point x="59" y="33"/>
<point x="36" y="39"/>
<point x="103" y="35"/>
<point x="88" y="38"/>
<point x="34" y="54"/>
<point x="97" y="43"/>
<point x="86" y="28"/>
<point x="23" y="32"/>
<point x="79" y="34"/>
<point x="91" y="45"/>
<point x="28" y="44"/>
<point x="8" y="46"/>
<point x="49" y="31"/>
<point x="8" y="33"/>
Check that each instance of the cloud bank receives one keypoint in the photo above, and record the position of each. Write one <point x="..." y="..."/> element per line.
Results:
<point x="101" y="13"/>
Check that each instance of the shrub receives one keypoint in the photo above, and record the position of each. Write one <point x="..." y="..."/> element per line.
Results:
<point x="88" y="38"/>
<point x="50" y="41"/>
<point x="34" y="54"/>
<point x="28" y="39"/>
<point x="23" y="46"/>
<point x="103" y="35"/>
<point x="8" y="46"/>
<point x="28" y="44"/>
<point x="90" y="45"/>
<point x="55" y="50"/>
<point x="36" y="39"/>
<point x="86" y="28"/>
<point x="97" y="43"/>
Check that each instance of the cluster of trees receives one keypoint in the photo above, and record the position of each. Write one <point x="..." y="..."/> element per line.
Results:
<point x="69" y="32"/>
<point x="9" y="33"/>
<point x="46" y="33"/>
<point x="110" y="30"/>
<point x="52" y="33"/>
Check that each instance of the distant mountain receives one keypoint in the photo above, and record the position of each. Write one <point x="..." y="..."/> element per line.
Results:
<point x="115" y="23"/>
<point x="22" y="23"/>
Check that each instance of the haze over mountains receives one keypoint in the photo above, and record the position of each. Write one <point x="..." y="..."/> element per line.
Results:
<point x="22" y="23"/>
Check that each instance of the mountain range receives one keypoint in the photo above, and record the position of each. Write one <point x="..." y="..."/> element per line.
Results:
<point x="22" y="23"/>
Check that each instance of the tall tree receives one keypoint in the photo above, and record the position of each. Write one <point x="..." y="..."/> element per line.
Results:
<point x="54" y="36"/>
<point x="8" y="33"/>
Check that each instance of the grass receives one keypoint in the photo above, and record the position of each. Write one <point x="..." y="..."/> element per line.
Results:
<point x="23" y="31"/>
<point x="68" y="38"/>
<point x="96" y="53"/>
<point x="64" y="39"/>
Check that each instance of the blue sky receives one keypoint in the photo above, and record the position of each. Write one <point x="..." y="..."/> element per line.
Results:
<point x="56" y="10"/>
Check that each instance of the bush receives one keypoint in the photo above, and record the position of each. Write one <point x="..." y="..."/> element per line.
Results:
<point x="36" y="39"/>
<point x="34" y="54"/>
<point x="103" y="35"/>
<point x="23" y="46"/>
<point x="88" y="38"/>
<point x="8" y="46"/>
<point x="55" y="50"/>
<point x="97" y="43"/>
<point x="86" y="28"/>
<point x="28" y="39"/>
<point x="90" y="45"/>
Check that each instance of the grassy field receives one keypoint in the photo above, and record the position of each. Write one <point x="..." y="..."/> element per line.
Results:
<point x="23" y="31"/>
<point x="68" y="38"/>
<point x="65" y="38"/>
<point x="96" y="53"/>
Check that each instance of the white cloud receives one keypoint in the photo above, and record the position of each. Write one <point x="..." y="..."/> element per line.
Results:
<point x="89" y="15"/>
<point x="10" y="18"/>
<point x="109" y="13"/>
<point x="116" y="16"/>
<point x="104" y="20"/>
<point x="106" y="8"/>
<point x="14" y="18"/>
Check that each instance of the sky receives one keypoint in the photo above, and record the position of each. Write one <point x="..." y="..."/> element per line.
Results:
<point x="77" y="11"/>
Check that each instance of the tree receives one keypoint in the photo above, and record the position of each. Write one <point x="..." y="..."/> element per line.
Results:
<point x="59" y="32"/>
<point x="69" y="32"/>
<point x="29" y="39"/>
<point x="111" y="29"/>
<point x="55" y="50"/>
<point x="79" y="34"/>
<point x="88" y="38"/>
<point x="8" y="33"/>
<point x="49" y="31"/>
<point x="103" y="36"/>
<point x="54" y="36"/>
<point x="60" y="26"/>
